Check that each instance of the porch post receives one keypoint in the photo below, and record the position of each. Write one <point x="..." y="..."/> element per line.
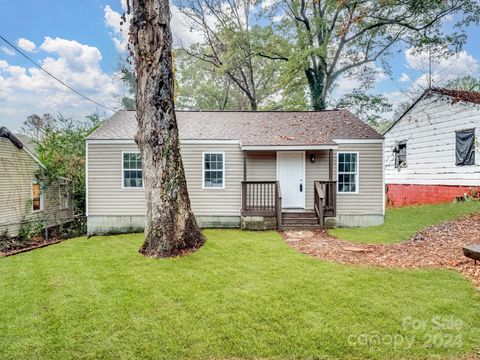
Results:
<point x="330" y="165"/>
<point x="244" y="165"/>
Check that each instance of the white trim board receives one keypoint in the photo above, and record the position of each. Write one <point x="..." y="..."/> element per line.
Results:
<point x="359" y="141"/>
<point x="289" y="147"/>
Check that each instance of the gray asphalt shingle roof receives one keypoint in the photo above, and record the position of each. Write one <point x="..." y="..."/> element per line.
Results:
<point x="251" y="128"/>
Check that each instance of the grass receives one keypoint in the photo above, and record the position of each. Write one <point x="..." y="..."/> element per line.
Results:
<point x="401" y="223"/>
<point x="243" y="295"/>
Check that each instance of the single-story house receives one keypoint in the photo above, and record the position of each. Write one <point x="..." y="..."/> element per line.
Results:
<point x="430" y="150"/>
<point x="28" y="198"/>
<point x="246" y="169"/>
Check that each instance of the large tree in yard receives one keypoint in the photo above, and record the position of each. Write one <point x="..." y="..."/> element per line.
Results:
<point x="331" y="39"/>
<point x="170" y="226"/>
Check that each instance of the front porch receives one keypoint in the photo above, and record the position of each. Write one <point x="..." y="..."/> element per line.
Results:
<point x="295" y="198"/>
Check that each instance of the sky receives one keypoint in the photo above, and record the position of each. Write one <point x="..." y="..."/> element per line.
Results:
<point x="81" y="42"/>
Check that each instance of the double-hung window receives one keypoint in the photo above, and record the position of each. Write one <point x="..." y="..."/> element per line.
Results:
<point x="132" y="170"/>
<point x="37" y="196"/>
<point x="214" y="170"/>
<point x="347" y="172"/>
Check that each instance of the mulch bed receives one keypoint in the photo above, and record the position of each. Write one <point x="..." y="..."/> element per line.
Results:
<point x="437" y="246"/>
<point x="31" y="245"/>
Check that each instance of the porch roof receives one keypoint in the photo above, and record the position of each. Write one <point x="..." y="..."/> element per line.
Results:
<point x="252" y="129"/>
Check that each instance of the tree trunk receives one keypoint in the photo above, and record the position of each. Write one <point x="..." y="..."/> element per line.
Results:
<point x="316" y="82"/>
<point x="170" y="226"/>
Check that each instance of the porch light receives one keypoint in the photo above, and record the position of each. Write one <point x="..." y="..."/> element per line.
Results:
<point x="312" y="158"/>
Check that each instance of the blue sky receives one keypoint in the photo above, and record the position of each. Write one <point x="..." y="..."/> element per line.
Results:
<point x="80" y="42"/>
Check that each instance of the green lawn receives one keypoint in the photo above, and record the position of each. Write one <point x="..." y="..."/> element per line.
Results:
<point x="401" y="223"/>
<point x="243" y="295"/>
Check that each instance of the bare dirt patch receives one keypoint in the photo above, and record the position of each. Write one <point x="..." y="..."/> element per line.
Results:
<point x="437" y="246"/>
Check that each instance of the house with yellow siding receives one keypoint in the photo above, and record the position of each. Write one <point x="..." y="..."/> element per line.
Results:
<point x="27" y="196"/>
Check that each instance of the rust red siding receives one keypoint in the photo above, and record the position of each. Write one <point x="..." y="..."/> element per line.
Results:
<point x="408" y="194"/>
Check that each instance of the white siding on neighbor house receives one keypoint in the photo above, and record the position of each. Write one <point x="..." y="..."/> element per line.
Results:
<point x="429" y="130"/>
<point x="18" y="171"/>
<point x="107" y="197"/>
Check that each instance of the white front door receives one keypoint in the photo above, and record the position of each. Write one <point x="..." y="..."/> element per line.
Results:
<point x="290" y="174"/>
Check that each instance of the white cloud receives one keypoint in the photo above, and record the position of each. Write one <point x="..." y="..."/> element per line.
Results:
<point x="7" y="51"/>
<point x="182" y="30"/>
<point x="26" y="45"/>
<point x="444" y="67"/>
<point x="404" y="77"/>
<point x="27" y="90"/>
<point x="119" y="28"/>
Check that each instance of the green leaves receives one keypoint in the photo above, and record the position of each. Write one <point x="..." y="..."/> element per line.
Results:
<point x="61" y="149"/>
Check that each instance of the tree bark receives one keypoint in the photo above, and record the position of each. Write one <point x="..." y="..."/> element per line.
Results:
<point x="170" y="226"/>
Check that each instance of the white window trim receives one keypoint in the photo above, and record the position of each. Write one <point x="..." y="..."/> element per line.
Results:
<point x="357" y="178"/>
<point x="41" y="195"/>
<point x="123" y="173"/>
<point x="203" y="171"/>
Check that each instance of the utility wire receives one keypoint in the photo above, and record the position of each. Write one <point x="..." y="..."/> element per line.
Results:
<point x="53" y="76"/>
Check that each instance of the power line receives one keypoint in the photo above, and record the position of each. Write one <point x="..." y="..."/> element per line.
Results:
<point x="53" y="76"/>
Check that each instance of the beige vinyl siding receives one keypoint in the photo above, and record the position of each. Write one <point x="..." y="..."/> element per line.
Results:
<point x="317" y="170"/>
<point x="106" y="196"/>
<point x="105" y="193"/>
<point x="262" y="166"/>
<point x="369" y="199"/>
<point x="18" y="171"/>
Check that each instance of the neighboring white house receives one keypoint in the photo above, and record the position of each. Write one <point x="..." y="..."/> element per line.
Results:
<point x="27" y="197"/>
<point x="431" y="150"/>
<point x="246" y="169"/>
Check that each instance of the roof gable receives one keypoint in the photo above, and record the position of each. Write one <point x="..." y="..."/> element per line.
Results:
<point x="455" y="96"/>
<point x="7" y="134"/>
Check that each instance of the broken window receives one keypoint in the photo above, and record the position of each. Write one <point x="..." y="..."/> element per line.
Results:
<point x="465" y="147"/>
<point x="401" y="154"/>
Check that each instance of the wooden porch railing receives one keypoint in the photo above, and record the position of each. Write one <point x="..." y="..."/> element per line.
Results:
<point x="325" y="199"/>
<point x="262" y="198"/>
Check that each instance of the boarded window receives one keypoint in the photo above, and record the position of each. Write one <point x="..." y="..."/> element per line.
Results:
<point x="213" y="170"/>
<point x="37" y="201"/>
<point x="64" y="197"/>
<point x="401" y="154"/>
<point x="132" y="170"/>
<point x="465" y="147"/>
<point x="347" y="172"/>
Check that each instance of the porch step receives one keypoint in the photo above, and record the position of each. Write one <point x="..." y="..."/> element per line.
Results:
<point x="302" y="227"/>
<point x="299" y="214"/>
<point x="300" y="221"/>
